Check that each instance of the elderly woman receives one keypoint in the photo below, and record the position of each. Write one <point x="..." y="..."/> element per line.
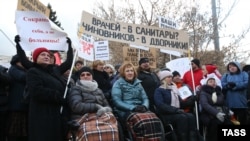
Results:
<point x="86" y="97"/>
<point x="46" y="92"/>
<point x="129" y="97"/>
<point x="167" y="103"/>
<point x="91" y="109"/>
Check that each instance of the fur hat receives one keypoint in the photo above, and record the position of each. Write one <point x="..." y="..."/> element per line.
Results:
<point x="163" y="74"/>
<point x="175" y="73"/>
<point x="37" y="52"/>
<point x="85" y="69"/>
<point x="143" y="60"/>
<point x="196" y="61"/>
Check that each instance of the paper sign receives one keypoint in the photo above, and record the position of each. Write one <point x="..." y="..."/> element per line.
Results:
<point x="181" y="65"/>
<point x="35" y="31"/>
<point x="184" y="92"/>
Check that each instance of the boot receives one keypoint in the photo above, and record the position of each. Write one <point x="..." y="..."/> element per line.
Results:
<point x="183" y="137"/>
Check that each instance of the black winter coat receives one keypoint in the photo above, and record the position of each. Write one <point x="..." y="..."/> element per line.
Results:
<point x="46" y="92"/>
<point x="4" y="88"/>
<point x="150" y="82"/>
<point x="17" y="86"/>
<point x="208" y="107"/>
<point x="102" y="78"/>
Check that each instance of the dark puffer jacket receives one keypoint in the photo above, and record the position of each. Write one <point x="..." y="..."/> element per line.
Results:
<point x="208" y="107"/>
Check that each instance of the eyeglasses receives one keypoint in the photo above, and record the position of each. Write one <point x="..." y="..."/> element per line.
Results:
<point x="85" y="74"/>
<point x="106" y="67"/>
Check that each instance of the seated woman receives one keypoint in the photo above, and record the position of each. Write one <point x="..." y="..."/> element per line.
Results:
<point x="91" y="109"/>
<point x="129" y="99"/>
<point x="168" y="106"/>
<point x="213" y="108"/>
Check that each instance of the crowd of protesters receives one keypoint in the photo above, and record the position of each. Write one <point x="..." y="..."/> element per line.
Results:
<point x="220" y="98"/>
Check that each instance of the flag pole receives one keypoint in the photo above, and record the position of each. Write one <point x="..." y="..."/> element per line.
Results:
<point x="69" y="77"/>
<point x="196" y="105"/>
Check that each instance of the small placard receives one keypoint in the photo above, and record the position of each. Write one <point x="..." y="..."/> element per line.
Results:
<point x="184" y="92"/>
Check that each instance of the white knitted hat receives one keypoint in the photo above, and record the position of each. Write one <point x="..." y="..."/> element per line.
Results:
<point x="163" y="74"/>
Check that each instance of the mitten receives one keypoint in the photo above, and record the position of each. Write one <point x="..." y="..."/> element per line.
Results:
<point x="101" y="111"/>
<point x="68" y="41"/>
<point x="220" y="116"/>
<point x="17" y="39"/>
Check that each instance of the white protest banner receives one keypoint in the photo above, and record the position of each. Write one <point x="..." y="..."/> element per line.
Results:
<point x="101" y="50"/>
<point x="181" y="65"/>
<point x="86" y="49"/>
<point x="35" y="31"/>
<point x="140" y="35"/>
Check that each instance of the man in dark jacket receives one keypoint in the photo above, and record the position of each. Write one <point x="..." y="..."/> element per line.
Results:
<point x="149" y="79"/>
<point x="4" y="90"/>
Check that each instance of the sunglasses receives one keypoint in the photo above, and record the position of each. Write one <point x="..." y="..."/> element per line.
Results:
<point x="85" y="74"/>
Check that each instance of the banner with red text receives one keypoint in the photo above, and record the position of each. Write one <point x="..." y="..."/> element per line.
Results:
<point x="35" y="31"/>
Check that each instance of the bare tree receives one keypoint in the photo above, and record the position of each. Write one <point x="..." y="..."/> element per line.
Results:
<point x="196" y="21"/>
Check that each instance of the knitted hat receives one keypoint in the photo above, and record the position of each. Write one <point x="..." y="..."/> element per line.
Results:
<point x="210" y="68"/>
<point x="37" y="52"/>
<point x="210" y="78"/>
<point x="196" y="61"/>
<point x="163" y="74"/>
<point x="175" y="73"/>
<point x="85" y="69"/>
<point x="143" y="60"/>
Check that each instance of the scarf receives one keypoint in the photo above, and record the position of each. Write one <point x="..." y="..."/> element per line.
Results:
<point x="174" y="93"/>
<point x="87" y="85"/>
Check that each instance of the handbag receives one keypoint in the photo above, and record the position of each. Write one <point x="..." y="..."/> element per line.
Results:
<point x="94" y="128"/>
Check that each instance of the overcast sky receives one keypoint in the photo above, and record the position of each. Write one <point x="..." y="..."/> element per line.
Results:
<point x="69" y="14"/>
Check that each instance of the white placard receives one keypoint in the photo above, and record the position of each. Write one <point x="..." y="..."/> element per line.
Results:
<point x="35" y="31"/>
<point x="86" y="47"/>
<point x="184" y="92"/>
<point x="101" y="50"/>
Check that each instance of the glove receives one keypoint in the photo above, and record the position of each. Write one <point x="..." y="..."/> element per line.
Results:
<point x="108" y="109"/>
<point x="68" y="40"/>
<point x="3" y="69"/>
<point x="98" y="106"/>
<point x="180" y="111"/>
<point x="231" y="85"/>
<point x="17" y="39"/>
<point x="101" y="111"/>
<point x="220" y="116"/>
<point x="140" y="109"/>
